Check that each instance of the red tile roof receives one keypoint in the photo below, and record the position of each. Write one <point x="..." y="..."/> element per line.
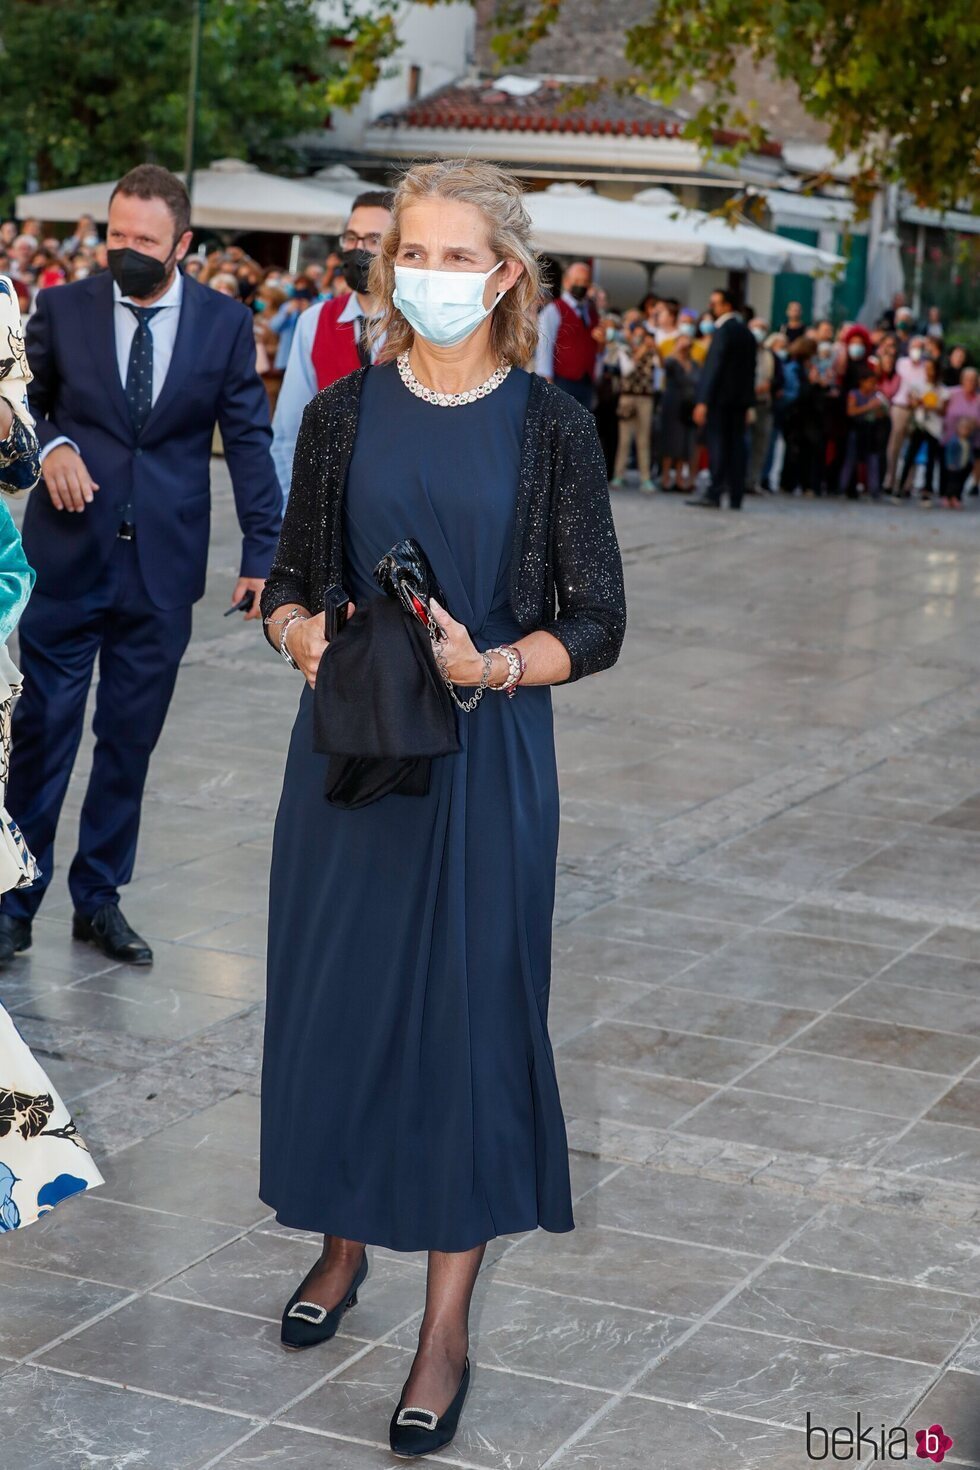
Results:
<point x="552" y="108"/>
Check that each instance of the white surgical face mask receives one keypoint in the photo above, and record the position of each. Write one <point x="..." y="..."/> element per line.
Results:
<point x="855" y="351"/>
<point x="443" y="306"/>
<point x="915" y="353"/>
<point x="760" y="334"/>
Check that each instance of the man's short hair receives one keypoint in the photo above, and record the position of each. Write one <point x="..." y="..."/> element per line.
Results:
<point x="725" y="295"/>
<point x="150" y="181"/>
<point x="374" y="199"/>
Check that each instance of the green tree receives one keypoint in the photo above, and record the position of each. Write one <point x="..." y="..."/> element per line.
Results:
<point x="91" y="87"/>
<point x="896" y="85"/>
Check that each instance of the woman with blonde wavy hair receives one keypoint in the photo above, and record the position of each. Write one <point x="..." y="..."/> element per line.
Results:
<point x="409" y="1095"/>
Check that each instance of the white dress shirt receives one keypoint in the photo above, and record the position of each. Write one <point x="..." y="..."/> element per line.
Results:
<point x="549" y="321"/>
<point x="299" y="384"/>
<point x="163" y="329"/>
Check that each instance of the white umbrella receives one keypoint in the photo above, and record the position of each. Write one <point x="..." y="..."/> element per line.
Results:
<point x="654" y="227"/>
<point x="230" y="195"/>
<point x="885" y="278"/>
<point x="568" y="220"/>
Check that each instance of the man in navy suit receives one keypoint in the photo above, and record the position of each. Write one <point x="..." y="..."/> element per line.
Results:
<point x="132" y="369"/>
<point x="725" y="393"/>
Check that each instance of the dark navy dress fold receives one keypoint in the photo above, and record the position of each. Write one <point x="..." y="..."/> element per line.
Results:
<point x="409" y="1096"/>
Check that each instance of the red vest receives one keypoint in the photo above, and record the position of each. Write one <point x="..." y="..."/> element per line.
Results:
<point x="575" y="347"/>
<point x="334" y="344"/>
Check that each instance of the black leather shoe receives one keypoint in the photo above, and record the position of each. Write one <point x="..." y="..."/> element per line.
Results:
<point x="108" y="931"/>
<point x="414" y="1432"/>
<point x="15" y="937"/>
<point x="305" y="1324"/>
<point x="703" y="502"/>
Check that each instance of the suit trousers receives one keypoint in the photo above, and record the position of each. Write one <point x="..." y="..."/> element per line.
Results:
<point x="139" y="649"/>
<point x="634" y="428"/>
<point x="726" y="434"/>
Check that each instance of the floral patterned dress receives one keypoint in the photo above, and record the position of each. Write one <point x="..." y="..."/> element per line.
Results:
<point x="42" y="1158"/>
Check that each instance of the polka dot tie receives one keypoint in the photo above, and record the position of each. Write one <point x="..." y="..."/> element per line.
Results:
<point x="139" y="374"/>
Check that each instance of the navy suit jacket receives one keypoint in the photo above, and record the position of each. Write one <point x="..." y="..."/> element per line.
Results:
<point x="727" y="379"/>
<point x="165" y="470"/>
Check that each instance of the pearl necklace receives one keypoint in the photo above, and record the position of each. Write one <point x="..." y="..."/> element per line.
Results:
<point x="448" y="400"/>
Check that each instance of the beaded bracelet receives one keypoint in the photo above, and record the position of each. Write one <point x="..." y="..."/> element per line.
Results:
<point x="516" y="669"/>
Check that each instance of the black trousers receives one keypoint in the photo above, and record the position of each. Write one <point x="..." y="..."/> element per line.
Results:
<point x="139" y="649"/>
<point x="727" y="452"/>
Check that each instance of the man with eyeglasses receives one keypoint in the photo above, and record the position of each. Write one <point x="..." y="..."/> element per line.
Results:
<point x="331" y="337"/>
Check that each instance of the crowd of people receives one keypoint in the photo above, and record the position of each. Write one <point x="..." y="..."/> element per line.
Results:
<point x="889" y="413"/>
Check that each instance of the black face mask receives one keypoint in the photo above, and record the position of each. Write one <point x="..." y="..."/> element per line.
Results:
<point x="355" y="267"/>
<point x="579" y="292"/>
<point x="136" y="274"/>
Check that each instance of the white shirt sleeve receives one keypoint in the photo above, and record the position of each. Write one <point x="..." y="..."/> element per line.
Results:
<point x="549" y="319"/>
<point x="298" y="387"/>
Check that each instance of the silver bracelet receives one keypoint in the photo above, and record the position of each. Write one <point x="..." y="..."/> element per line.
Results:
<point x="292" y="617"/>
<point x="515" y="668"/>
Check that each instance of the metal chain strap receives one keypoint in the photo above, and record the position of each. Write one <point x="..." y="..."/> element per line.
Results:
<point x="468" y="705"/>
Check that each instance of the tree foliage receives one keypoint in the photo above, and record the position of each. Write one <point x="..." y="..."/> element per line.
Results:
<point x="92" y="87"/>
<point x="895" y="85"/>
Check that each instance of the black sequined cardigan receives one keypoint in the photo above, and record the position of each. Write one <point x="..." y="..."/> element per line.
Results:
<point x="566" y="575"/>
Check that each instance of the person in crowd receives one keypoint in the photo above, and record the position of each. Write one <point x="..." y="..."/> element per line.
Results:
<point x="866" y="408"/>
<point x="331" y="338"/>
<point x="702" y="342"/>
<point x="961" y="439"/>
<point x="761" y="421"/>
<point x="934" y="324"/>
<point x="438" y="1124"/>
<point x="131" y="372"/>
<point x="635" y="406"/>
<point x="957" y="359"/>
<point x="725" y="393"/>
<point x="802" y="420"/>
<point x="678" y="434"/>
<point x="43" y="1158"/>
<point x="8" y="234"/>
<point x="666" y="326"/>
<point x="912" y="382"/>
<point x="607" y="387"/>
<point x="648" y="311"/>
<point x="794" y="326"/>
<point x="568" y="348"/>
<point x="226" y="284"/>
<point x="928" y="423"/>
<point x="905" y="329"/>
<point x="84" y="236"/>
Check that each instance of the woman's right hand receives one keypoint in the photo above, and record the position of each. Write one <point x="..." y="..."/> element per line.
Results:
<point x="306" y="643"/>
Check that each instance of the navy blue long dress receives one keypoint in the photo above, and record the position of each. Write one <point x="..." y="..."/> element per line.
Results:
<point x="409" y="1097"/>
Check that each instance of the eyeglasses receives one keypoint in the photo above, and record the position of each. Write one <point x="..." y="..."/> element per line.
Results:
<point x="351" y="241"/>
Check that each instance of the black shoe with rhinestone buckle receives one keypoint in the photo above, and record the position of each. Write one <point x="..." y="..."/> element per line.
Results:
<point x="414" y="1432"/>
<point x="306" y="1324"/>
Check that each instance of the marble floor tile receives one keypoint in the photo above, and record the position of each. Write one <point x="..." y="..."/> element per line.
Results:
<point x="953" y="1402"/>
<point x="769" y="947"/>
<point x="509" y="1418"/>
<point x="742" y="1116"/>
<point x="830" y="923"/>
<point x="626" y="1437"/>
<point x="667" y="1276"/>
<point x="781" y="1379"/>
<point x="758" y="1022"/>
<point x="954" y="941"/>
<point x="204" y="1183"/>
<point x="858" y="1312"/>
<point x="908" y="1005"/>
<point x="708" y="1059"/>
<point x="745" y="978"/>
<point x="216" y="1359"/>
<point x="231" y="1126"/>
<point x="137" y="1005"/>
<point x="936" y="972"/>
<point x="577" y="1341"/>
<point x="95" y="1237"/>
<point x="619" y="959"/>
<point x="36" y="1307"/>
<point x="628" y="1097"/>
<point x="652" y="926"/>
<point x="938" y="1151"/>
<point x="276" y="1448"/>
<point x="259" y="1273"/>
<point x="898" y="1046"/>
<point x="895" y="1245"/>
<point x="56" y="1421"/>
<point x="845" y="1082"/>
<point x="702" y="900"/>
<point x="961" y="1104"/>
<point x="701" y="1211"/>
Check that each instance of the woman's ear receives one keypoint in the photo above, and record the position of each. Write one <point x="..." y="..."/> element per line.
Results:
<point x="508" y="275"/>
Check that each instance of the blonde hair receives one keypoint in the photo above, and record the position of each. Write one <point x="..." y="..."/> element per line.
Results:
<point x="500" y="199"/>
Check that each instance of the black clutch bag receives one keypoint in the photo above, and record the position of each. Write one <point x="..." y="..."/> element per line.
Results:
<point x="406" y="574"/>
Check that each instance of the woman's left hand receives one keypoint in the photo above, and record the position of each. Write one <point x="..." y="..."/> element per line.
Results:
<point x="462" y="662"/>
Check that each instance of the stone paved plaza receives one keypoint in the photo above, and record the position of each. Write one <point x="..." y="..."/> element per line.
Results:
<point x="766" y="1012"/>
